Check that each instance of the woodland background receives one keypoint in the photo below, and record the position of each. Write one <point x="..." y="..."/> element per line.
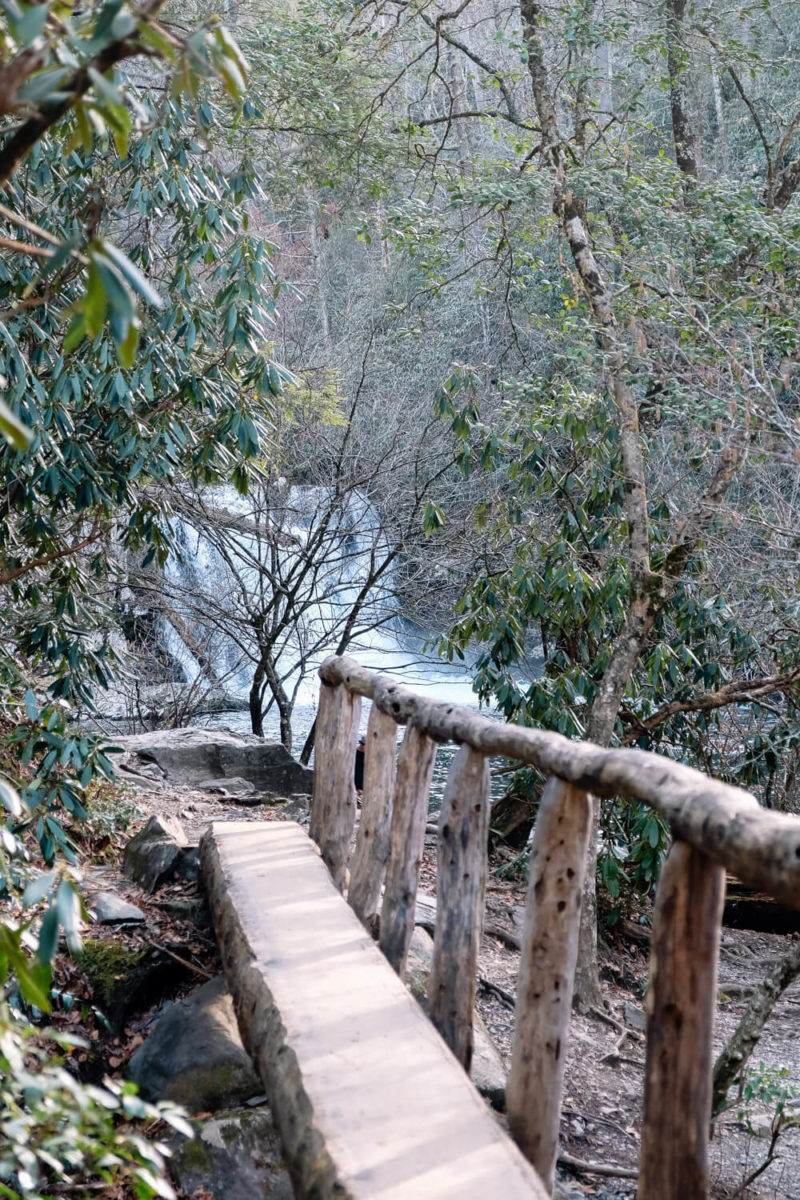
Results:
<point x="507" y="293"/>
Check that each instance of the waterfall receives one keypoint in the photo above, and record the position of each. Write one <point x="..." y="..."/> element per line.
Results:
<point x="236" y="550"/>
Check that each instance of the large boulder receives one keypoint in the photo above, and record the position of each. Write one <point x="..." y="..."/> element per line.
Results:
<point x="195" y="1056"/>
<point x="153" y="854"/>
<point x="487" y="1070"/>
<point x="198" y="756"/>
<point x="233" y="1156"/>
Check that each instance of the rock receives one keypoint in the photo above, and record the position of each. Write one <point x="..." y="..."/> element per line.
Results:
<point x="487" y="1070"/>
<point x="297" y="809"/>
<point x="760" y="1126"/>
<point x="136" y="779"/>
<point x="233" y="786"/>
<point x="425" y="912"/>
<point x="419" y="965"/>
<point x="187" y="864"/>
<point x="194" y="756"/>
<point x="567" y="1191"/>
<point x="125" y="978"/>
<point x="635" y="1017"/>
<point x="195" y="1056"/>
<point x="187" y="910"/>
<point x="110" y="909"/>
<point x="578" y="1128"/>
<point x="234" y="1156"/>
<point x="152" y="854"/>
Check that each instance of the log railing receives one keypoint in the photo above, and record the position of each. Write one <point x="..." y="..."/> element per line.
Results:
<point x="714" y="827"/>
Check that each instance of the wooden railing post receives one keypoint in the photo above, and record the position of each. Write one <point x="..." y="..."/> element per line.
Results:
<point x="407" y="839"/>
<point x="681" y="1001"/>
<point x="460" y="888"/>
<point x="546" y="973"/>
<point x="333" y="805"/>
<point x="372" y="843"/>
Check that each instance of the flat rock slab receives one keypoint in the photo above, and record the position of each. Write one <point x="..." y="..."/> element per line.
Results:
<point x="202" y="756"/>
<point x="370" y="1103"/>
<point x="110" y="909"/>
<point x="235" y="786"/>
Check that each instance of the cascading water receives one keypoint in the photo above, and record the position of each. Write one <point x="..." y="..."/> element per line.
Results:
<point x="243" y="551"/>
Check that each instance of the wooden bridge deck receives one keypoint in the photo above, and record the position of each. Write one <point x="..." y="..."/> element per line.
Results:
<point x="369" y="1100"/>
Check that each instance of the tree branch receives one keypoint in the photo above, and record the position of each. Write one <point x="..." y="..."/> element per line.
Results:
<point x="16" y="572"/>
<point x="25" y="138"/>
<point x="736" y="692"/>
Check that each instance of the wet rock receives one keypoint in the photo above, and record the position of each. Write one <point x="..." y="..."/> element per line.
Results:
<point x="195" y="1056"/>
<point x="110" y="909"/>
<point x="194" y="756"/>
<point x="151" y="855"/>
<point x="234" y="1156"/>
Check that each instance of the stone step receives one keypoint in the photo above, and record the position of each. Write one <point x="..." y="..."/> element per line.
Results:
<point x="369" y="1101"/>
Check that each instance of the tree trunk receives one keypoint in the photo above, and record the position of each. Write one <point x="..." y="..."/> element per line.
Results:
<point x="550" y="945"/>
<point x="264" y="676"/>
<point x="647" y="594"/>
<point x="733" y="1057"/>
<point x="682" y="125"/>
<point x="308" y="744"/>
<point x="254" y="701"/>
<point x="723" y="155"/>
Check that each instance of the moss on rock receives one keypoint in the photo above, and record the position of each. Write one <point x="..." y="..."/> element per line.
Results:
<point x="109" y="965"/>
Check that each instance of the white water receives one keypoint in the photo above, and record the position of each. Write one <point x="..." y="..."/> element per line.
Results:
<point x="396" y="647"/>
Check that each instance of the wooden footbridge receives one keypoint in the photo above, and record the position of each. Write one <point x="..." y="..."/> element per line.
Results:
<point x="370" y="1100"/>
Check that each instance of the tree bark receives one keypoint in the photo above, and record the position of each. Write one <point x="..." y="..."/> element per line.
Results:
<point x="681" y="1000"/>
<point x="682" y="126"/>
<point x="549" y="953"/>
<point x="333" y="806"/>
<point x="460" y="887"/>
<point x="733" y="1057"/>
<point x="368" y="863"/>
<point x="407" y="839"/>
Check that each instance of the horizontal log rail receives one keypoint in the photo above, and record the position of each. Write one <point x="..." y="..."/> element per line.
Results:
<point x="760" y="847"/>
<point x="715" y="828"/>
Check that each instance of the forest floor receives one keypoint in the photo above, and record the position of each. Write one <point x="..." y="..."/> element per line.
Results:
<point x="603" y="1084"/>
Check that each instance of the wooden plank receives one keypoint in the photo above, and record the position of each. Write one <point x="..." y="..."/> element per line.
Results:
<point x="406" y="843"/>
<point x="370" y="1103"/>
<point x="333" y="806"/>
<point x="372" y="843"/>
<point x="680" y="1007"/>
<point x="461" y="884"/>
<point x="546" y="973"/>
<point x="761" y="847"/>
